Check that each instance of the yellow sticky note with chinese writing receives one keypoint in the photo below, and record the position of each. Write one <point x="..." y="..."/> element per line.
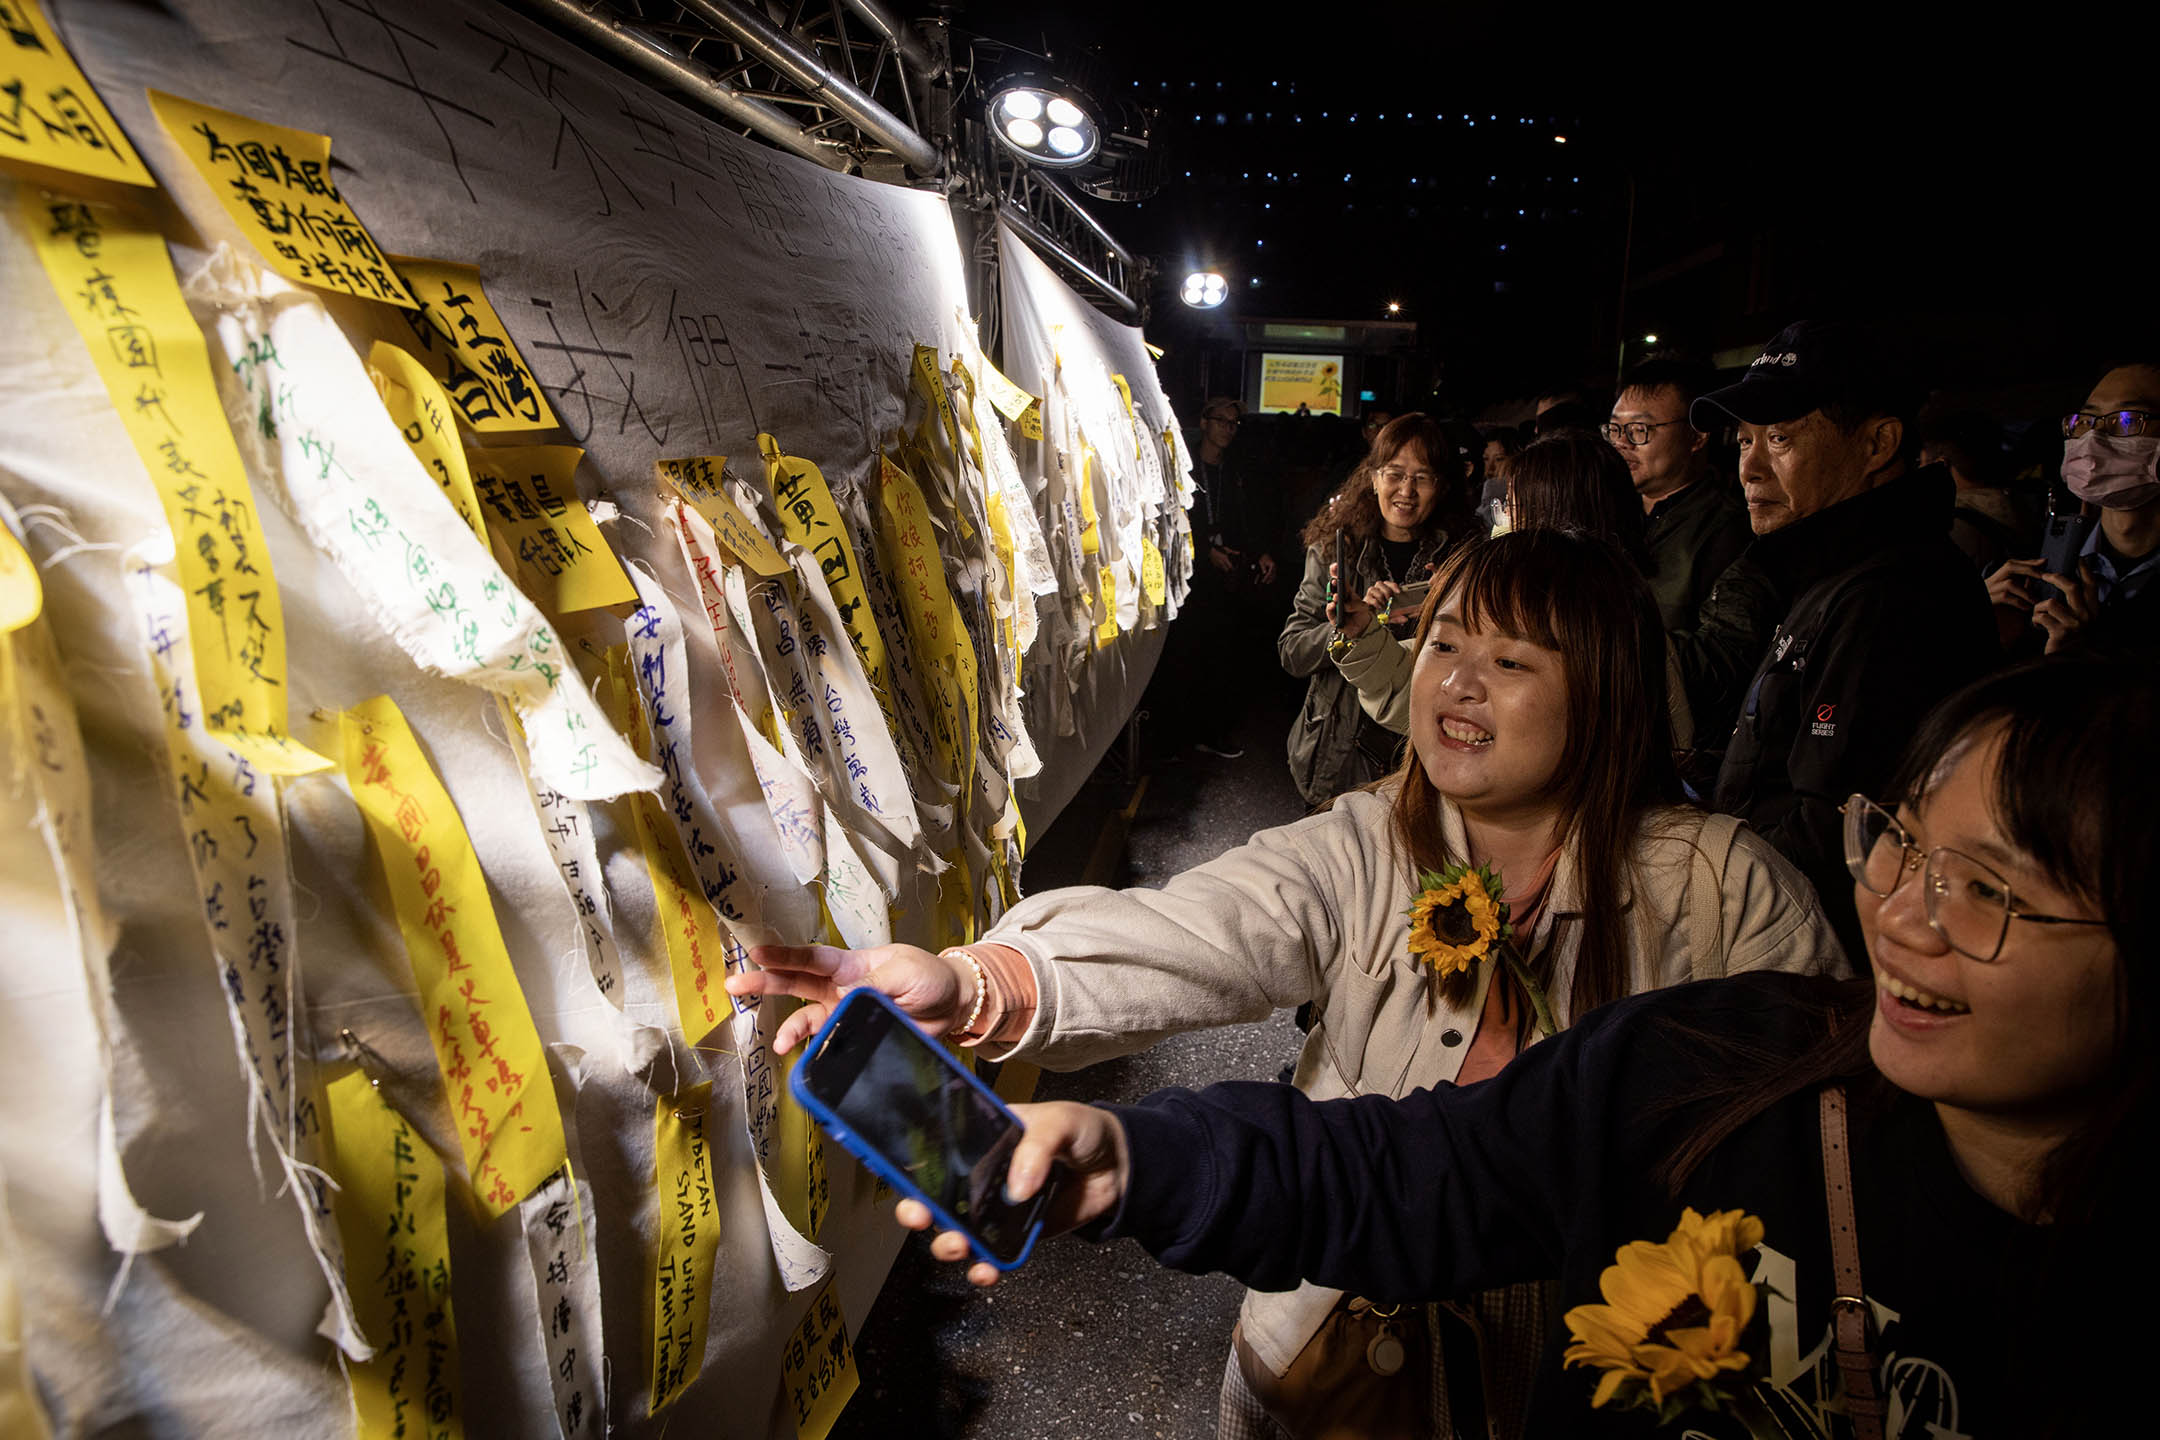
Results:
<point x="528" y="494"/>
<point x="275" y="185"/>
<point x="685" y="1241"/>
<point x="21" y="593"/>
<point x="423" y="415"/>
<point x="817" y="1368"/>
<point x="1106" y="631"/>
<point x="1154" y="583"/>
<point x="1090" y="535"/>
<point x="493" y="1067"/>
<point x="1031" y="421"/>
<point x="690" y="928"/>
<point x="811" y="519"/>
<point x="930" y="384"/>
<point x="468" y="349"/>
<point x="389" y="1204"/>
<point x="697" y="479"/>
<point x="116" y="281"/>
<point x="1009" y="399"/>
<point x="917" y="573"/>
<point x="50" y="118"/>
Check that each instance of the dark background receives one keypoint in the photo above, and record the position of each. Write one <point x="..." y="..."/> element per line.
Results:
<point x="1983" y="191"/>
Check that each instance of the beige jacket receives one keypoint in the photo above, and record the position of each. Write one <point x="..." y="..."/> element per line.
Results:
<point x="1318" y="911"/>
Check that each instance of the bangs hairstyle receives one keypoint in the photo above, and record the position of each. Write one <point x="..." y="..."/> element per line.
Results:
<point x="1577" y="595"/>
<point x="1356" y="508"/>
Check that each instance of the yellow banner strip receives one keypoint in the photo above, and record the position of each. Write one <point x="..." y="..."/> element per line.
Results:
<point x="493" y="1067"/>
<point x="686" y="1239"/>
<point x="389" y="1206"/>
<point x="423" y="415"/>
<point x="817" y="1368"/>
<point x="697" y="481"/>
<point x="50" y="117"/>
<point x="116" y="282"/>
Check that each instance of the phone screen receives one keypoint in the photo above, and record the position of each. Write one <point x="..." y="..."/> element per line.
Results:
<point x="928" y="1119"/>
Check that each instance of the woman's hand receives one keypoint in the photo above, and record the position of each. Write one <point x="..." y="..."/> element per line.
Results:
<point x="2063" y="614"/>
<point x="1089" y="1143"/>
<point x="1345" y="612"/>
<point x="1380" y="596"/>
<point x="2011" y="583"/>
<point x="936" y="991"/>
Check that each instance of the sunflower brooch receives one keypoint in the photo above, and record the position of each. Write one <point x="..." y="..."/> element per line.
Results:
<point x="1459" y="919"/>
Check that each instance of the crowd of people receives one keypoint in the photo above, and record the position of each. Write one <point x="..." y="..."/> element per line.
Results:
<point x="1854" y="733"/>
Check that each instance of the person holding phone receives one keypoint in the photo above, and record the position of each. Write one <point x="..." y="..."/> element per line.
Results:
<point x="2111" y="462"/>
<point x="1537" y="748"/>
<point x="1392" y="521"/>
<point x="1996" y="1080"/>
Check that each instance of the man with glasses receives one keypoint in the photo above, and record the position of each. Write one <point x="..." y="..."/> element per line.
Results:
<point x="1691" y="529"/>
<point x="1884" y="616"/>
<point x="2111" y="462"/>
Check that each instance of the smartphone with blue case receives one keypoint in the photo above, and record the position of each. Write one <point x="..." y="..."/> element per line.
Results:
<point x="904" y="1106"/>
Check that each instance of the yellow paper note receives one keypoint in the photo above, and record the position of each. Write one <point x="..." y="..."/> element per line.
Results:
<point x="1009" y="399"/>
<point x="529" y="495"/>
<point x="1106" y="629"/>
<point x="389" y="1204"/>
<point x="494" y="1071"/>
<point x="687" y="1237"/>
<point x="930" y="384"/>
<point x="1030" y="421"/>
<point x="424" y="417"/>
<point x="275" y="184"/>
<point x="811" y="519"/>
<point x="1090" y="533"/>
<point x="1154" y="351"/>
<point x="918" y="573"/>
<point x="688" y="924"/>
<point x="117" y="283"/>
<point x="697" y="480"/>
<point x="817" y="1369"/>
<point x="50" y="118"/>
<point x="21" y="593"/>
<point x="467" y="348"/>
<point x="1154" y="583"/>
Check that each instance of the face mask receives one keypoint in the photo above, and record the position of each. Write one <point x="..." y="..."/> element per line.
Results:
<point x="2115" y="474"/>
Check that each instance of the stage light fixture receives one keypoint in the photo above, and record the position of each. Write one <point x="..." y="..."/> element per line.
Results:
<point x="1204" y="290"/>
<point x="1034" y="117"/>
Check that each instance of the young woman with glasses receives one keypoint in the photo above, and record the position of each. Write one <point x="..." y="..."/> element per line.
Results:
<point x="1987" y="1145"/>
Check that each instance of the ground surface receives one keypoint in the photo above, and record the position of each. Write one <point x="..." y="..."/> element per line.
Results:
<point x="1092" y="1341"/>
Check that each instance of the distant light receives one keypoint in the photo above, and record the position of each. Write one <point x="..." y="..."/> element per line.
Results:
<point x="1649" y="339"/>
<point x="1028" y="105"/>
<point x="1394" y="307"/>
<point x="1559" y="139"/>
<point x="1024" y="133"/>
<point x="1063" y="112"/>
<point x="1204" y="289"/>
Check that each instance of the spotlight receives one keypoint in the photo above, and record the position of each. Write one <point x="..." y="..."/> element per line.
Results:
<point x="1045" y="121"/>
<point x="1204" y="290"/>
<point x="1649" y="339"/>
<point x="1394" y="307"/>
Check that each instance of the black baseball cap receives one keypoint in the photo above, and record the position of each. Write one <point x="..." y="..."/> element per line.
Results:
<point x="1805" y="366"/>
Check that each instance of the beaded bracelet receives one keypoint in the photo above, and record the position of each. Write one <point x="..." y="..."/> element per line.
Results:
<point x="966" y="1033"/>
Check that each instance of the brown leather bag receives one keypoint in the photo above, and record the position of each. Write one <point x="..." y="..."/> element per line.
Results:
<point x="1366" y="1374"/>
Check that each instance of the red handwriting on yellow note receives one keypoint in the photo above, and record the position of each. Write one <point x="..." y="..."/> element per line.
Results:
<point x="494" y="1070"/>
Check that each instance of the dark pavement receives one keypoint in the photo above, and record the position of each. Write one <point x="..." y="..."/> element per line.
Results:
<point x="1085" y="1340"/>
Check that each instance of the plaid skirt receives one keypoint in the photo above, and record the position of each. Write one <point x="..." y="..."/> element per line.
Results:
<point x="1510" y="1326"/>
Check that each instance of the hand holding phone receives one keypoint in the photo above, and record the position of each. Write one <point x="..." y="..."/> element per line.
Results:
<point x="900" y="1103"/>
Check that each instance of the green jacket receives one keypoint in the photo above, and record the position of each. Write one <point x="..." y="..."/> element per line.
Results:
<point x="1692" y="537"/>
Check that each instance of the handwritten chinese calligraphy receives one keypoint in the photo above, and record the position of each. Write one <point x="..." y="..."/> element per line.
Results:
<point x="275" y="185"/>
<point x="494" y="1070"/>
<point x="1152" y="580"/>
<point x="390" y="1212"/>
<point x="817" y="1368"/>
<point x="698" y="481"/>
<point x="424" y="418"/>
<point x="468" y="349"/>
<point x="566" y="1278"/>
<point x="688" y="1236"/>
<point x="50" y="118"/>
<point x="528" y="495"/>
<point x="118" y="286"/>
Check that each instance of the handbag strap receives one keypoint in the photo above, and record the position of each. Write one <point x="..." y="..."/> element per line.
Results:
<point x="1848" y="1307"/>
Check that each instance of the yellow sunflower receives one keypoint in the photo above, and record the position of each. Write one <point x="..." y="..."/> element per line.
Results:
<point x="1674" y="1313"/>
<point x="1454" y="923"/>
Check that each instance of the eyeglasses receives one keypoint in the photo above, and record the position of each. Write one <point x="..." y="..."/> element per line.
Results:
<point x="1968" y="904"/>
<point x="2116" y="424"/>
<point x="1395" y="475"/>
<point x="1231" y="420"/>
<point x="1634" y="432"/>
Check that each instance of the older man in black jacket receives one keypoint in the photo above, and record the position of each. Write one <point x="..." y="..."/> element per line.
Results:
<point x="1885" y="615"/>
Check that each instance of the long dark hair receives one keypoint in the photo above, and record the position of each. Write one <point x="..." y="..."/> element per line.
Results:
<point x="1577" y="595"/>
<point x="1571" y="479"/>
<point x="2076" y="788"/>
<point x="1354" y="507"/>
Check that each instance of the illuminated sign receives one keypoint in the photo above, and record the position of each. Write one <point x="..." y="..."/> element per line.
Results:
<point x="1288" y="381"/>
